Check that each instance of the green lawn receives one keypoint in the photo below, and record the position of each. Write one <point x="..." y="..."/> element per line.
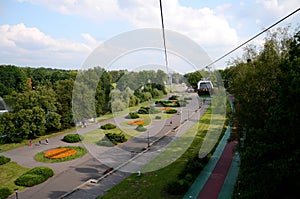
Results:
<point x="9" y="172"/>
<point x="153" y="184"/>
<point x="95" y="136"/>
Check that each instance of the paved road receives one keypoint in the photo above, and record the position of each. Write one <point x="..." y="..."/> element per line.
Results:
<point x="72" y="174"/>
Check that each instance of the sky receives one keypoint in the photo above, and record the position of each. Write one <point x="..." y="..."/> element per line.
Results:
<point x="64" y="33"/>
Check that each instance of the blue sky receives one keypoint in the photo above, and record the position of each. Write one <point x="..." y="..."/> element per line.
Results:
<point x="63" y="33"/>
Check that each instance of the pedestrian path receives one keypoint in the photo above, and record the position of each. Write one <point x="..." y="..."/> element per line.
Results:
<point x="217" y="179"/>
<point x="203" y="177"/>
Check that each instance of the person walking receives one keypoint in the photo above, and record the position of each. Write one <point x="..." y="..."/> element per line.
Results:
<point x="47" y="141"/>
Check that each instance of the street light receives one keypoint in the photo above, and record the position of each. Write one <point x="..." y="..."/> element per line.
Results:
<point x="148" y="139"/>
<point x="16" y="191"/>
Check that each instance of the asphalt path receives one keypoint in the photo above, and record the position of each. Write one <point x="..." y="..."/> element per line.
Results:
<point x="72" y="178"/>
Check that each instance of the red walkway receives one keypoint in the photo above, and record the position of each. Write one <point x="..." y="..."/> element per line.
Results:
<point x="215" y="181"/>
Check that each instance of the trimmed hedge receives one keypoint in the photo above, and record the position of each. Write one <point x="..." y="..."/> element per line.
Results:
<point x="140" y="128"/>
<point x="5" y="192"/>
<point x="157" y="117"/>
<point x="171" y="111"/>
<point x="148" y="110"/>
<point x="4" y="160"/>
<point x="174" y="97"/>
<point x="34" y="176"/>
<point x="116" y="138"/>
<point x="72" y="138"/>
<point x="108" y="126"/>
<point x="133" y="115"/>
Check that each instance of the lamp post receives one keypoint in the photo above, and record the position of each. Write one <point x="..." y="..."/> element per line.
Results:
<point x="148" y="139"/>
<point x="16" y="191"/>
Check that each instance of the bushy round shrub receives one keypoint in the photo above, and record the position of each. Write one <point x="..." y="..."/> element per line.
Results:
<point x="44" y="171"/>
<point x="157" y="117"/>
<point x="72" y="138"/>
<point x="144" y="110"/>
<point x="171" y="111"/>
<point x="4" y="160"/>
<point x="5" y="192"/>
<point x="34" y="176"/>
<point x="140" y="128"/>
<point x="116" y="138"/>
<point x="133" y="115"/>
<point x="108" y="126"/>
<point x="174" y="97"/>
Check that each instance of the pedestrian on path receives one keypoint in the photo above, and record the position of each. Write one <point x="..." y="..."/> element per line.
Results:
<point x="47" y="141"/>
<point x="30" y="142"/>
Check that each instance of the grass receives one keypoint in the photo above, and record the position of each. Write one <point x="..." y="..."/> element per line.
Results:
<point x="80" y="152"/>
<point x="95" y="136"/>
<point x="9" y="172"/>
<point x="153" y="184"/>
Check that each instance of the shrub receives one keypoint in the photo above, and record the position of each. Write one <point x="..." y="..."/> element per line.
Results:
<point x="148" y="110"/>
<point x="174" y="97"/>
<point x="44" y="171"/>
<point x="34" y="176"/>
<point x="108" y="126"/>
<point x="133" y="116"/>
<point x="178" y="187"/>
<point x="116" y="138"/>
<point x="72" y="138"/>
<point x="5" y="192"/>
<point x="4" y="160"/>
<point x="171" y="111"/>
<point x="157" y="117"/>
<point x="144" y="110"/>
<point x="140" y="128"/>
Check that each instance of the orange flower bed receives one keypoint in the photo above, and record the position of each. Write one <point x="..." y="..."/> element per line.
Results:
<point x="60" y="153"/>
<point x="164" y="108"/>
<point x="138" y="122"/>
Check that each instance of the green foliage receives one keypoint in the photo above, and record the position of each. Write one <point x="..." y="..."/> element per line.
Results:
<point x="34" y="176"/>
<point x="12" y="79"/>
<point x="148" y="110"/>
<point x="116" y="138"/>
<point x="140" y="128"/>
<point x="5" y="192"/>
<point x="133" y="115"/>
<point x="4" y="160"/>
<point x="72" y="138"/>
<point x="174" y="97"/>
<point x="171" y="111"/>
<point x="266" y="86"/>
<point x="157" y="117"/>
<point x="108" y="126"/>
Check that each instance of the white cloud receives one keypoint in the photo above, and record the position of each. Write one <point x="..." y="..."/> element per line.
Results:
<point x="279" y="8"/>
<point x="24" y="45"/>
<point x="204" y="25"/>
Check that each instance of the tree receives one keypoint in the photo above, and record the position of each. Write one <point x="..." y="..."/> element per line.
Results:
<point x="268" y="112"/>
<point x="63" y="90"/>
<point x="193" y="78"/>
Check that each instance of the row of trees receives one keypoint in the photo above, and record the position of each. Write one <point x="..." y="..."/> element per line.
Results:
<point x="265" y="84"/>
<point x="42" y="101"/>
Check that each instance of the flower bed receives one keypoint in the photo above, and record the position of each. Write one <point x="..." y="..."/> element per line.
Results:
<point x="137" y="122"/>
<point x="60" y="153"/>
<point x="165" y="108"/>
